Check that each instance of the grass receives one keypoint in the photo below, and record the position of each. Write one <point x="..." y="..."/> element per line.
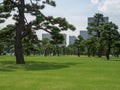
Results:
<point x="60" y="73"/>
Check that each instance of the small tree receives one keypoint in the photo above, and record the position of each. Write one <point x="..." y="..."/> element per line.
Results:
<point x="57" y="40"/>
<point x="109" y="35"/>
<point x="94" y="29"/>
<point x="91" y="46"/>
<point x="7" y="38"/>
<point x="116" y="48"/>
<point x="78" y="44"/>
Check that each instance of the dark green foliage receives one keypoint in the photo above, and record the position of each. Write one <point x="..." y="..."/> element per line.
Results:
<point x="95" y="29"/>
<point x="25" y="27"/>
<point x="91" y="46"/>
<point x="110" y="36"/>
<point x="7" y="34"/>
<point x="5" y="9"/>
<point x="104" y="36"/>
<point x="79" y="44"/>
<point x="116" y="48"/>
<point x="2" y="20"/>
<point x="51" y="2"/>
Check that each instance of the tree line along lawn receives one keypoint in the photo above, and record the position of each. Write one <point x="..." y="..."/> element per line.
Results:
<point x="60" y="73"/>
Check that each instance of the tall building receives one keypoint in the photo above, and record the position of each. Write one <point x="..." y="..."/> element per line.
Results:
<point x="91" y="19"/>
<point x="72" y="40"/>
<point x="50" y="38"/>
<point x="46" y="36"/>
<point x="65" y="40"/>
<point x="84" y="34"/>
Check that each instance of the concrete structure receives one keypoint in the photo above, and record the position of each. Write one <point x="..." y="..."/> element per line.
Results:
<point x="72" y="40"/>
<point x="46" y="36"/>
<point x="49" y="37"/>
<point x="91" y="19"/>
<point x="84" y="34"/>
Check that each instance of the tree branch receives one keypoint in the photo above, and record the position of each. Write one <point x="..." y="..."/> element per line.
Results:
<point x="45" y="30"/>
<point x="39" y="11"/>
<point x="15" y="4"/>
<point x="28" y="30"/>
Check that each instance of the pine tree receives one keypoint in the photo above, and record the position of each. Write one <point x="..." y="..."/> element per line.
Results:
<point x="23" y="27"/>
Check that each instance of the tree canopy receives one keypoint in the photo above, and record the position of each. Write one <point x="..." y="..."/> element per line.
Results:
<point x="23" y="27"/>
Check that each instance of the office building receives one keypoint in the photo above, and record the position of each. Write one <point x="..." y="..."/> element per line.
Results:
<point x="91" y="19"/>
<point x="72" y="40"/>
<point x="84" y="34"/>
<point x="50" y="38"/>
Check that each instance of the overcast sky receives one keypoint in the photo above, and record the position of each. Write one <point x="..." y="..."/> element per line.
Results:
<point x="77" y="11"/>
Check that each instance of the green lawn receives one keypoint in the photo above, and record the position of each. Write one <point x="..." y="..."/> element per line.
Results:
<point x="60" y="73"/>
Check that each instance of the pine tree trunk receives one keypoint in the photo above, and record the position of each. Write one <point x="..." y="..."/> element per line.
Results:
<point x="63" y="51"/>
<point x="100" y="52"/>
<point x="18" y="51"/>
<point x="99" y="49"/>
<point x="58" y="50"/>
<point x="78" y="52"/>
<point x="108" y="52"/>
<point x="45" y="54"/>
<point x="88" y="52"/>
<point x="18" y="39"/>
<point x="54" y="53"/>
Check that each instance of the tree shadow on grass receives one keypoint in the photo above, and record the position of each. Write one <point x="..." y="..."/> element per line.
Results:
<point x="114" y="60"/>
<point x="8" y="66"/>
